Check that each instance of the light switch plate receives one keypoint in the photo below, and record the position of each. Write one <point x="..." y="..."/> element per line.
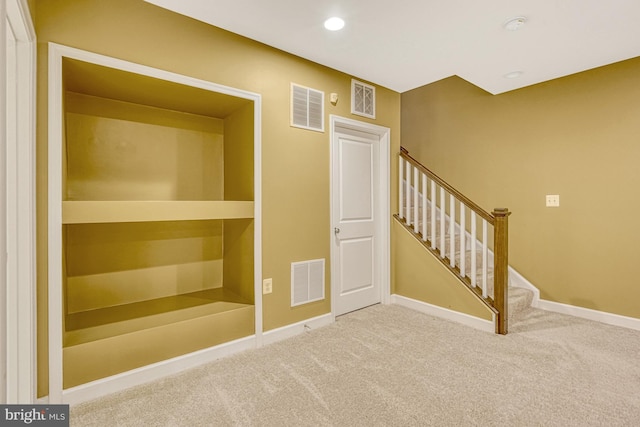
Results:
<point x="553" y="200"/>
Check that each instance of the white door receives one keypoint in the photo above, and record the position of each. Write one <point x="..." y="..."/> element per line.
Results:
<point x="356" y="263"/>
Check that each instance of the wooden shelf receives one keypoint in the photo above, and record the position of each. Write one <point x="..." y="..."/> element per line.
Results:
<point x="92" y="325"/>
<point x="86" y="212"/>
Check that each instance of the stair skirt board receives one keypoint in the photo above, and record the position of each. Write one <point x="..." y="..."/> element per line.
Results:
<point x="445" y="313"/>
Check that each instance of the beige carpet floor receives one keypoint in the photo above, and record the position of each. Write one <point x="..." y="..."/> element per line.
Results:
<point x="391" y="366"/>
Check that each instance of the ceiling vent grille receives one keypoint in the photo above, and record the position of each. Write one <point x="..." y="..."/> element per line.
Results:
<point x="363" y="99"/>
<point x="307" y="281"/>
<point x="307" y="108"/>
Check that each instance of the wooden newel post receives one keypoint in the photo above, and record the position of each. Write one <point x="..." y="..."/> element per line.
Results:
<point x="501" y="267"/>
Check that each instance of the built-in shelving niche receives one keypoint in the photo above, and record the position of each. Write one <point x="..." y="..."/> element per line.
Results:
<point x="157" y="220"/>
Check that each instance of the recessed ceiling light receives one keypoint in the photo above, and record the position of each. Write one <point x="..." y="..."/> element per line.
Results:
<point x="515" y="24"/>
<point x="334" y="24"/>
<point x="513" y="75"/>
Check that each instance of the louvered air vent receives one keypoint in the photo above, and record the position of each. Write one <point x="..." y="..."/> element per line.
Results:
<point x="363" y="99"/>
<point x="307" y="281"/>
<point x="307" y="108"/>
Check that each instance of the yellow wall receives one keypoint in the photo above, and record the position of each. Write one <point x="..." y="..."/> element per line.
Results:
<point x="295" y="162"/>
<point x="121" y="151"/>
<point x="238" y="154"/>
<point x="577" y="137"/>
<point x="239" y="185"/>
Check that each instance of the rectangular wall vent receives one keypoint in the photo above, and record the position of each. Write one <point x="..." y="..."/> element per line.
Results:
<point x="307" y="108"/>
<point x="363" y="99"/>
<point x="307" y="281"/>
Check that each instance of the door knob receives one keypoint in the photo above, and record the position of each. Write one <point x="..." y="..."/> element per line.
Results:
<point x="336" y="230"/>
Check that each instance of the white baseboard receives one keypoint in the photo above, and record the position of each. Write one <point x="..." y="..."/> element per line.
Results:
<point x="145" y="374"/>
<point x="589" y="314"/>
<point x="444" y="313"/>
<point x="294" y="329"/>
<point x="518" y="281"/>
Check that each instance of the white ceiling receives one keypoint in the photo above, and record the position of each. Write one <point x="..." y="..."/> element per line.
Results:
<point x="404" y="44"/>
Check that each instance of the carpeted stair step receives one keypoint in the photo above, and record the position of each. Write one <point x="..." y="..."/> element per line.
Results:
<point x="520" y="300"/>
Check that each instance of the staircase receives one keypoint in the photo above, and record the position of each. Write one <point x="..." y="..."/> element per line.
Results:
<point x="456" y="231"/>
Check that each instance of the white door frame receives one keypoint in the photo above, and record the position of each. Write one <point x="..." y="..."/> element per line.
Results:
<point x="383" y="209"/>
<point x="17" y="188"/>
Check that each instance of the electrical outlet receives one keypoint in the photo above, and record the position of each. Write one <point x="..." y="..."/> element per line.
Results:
<point x="267" y="286"/>
<point x="553" y="200"/>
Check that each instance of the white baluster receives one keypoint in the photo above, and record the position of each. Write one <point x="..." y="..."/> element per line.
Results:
<point x="484" y="257"/>
<point x="452" y="231"/>
<point x="401" y="188"/>
<point x="474" y="240"/>
<point x="442" y="221"/>
<point x="408" y="193"/>
<point x="433" y="214"/>
<point x="424" y="207"/>
<point x="416" y="192"/>
<point x="463" y="235"/>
